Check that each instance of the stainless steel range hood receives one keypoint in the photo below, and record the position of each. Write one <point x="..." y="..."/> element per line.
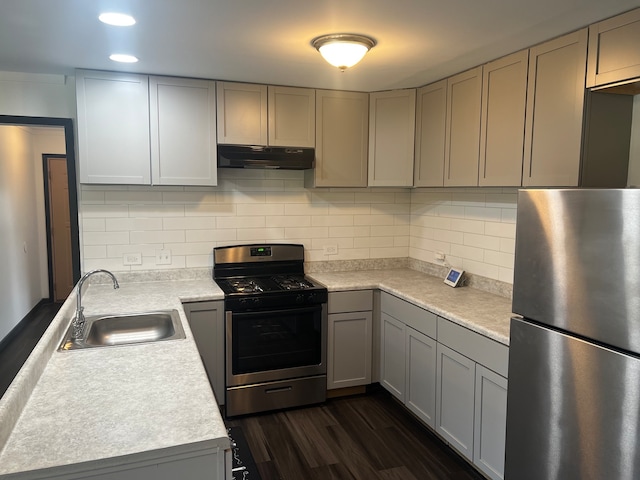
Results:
<point x="285" y="158"/>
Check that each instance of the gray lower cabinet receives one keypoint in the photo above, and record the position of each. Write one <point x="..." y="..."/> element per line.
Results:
<point x="455" y="399"/>
<point x="349" y="342"/>
<point x="206" y="320"/>
<point x="450" y="377"/>
<point x="211" y="466"/>
<point x="392" y="356"/>
<point x="420" y="396"/>
<point x="489" y="428"/>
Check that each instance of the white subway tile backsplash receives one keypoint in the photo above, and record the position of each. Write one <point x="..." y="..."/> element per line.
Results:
<point x="475" y="228"/>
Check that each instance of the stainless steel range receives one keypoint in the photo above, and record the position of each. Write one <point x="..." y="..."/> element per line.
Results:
<point x="275" y="328"/>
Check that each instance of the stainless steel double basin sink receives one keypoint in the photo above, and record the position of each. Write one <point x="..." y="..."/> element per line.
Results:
<point x="126" y="329"/>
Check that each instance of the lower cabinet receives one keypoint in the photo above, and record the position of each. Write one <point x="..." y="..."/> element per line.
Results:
<point x="206" y="320"/>
<point x="456" y="399"/>
<point x="450" y="377"/>
<point x="421" y="356"/>
<point x="349" y="342"/>
<point x="392" y="356"/>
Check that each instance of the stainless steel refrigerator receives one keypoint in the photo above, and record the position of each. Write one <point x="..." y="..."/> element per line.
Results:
<point x="573" y="402"/>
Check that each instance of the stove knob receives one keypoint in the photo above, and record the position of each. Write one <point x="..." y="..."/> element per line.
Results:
<point x="312" y="297"/>
<point x="242" y="301"/>
<point x="256" y="301"/>
<point x="300" y="298"/>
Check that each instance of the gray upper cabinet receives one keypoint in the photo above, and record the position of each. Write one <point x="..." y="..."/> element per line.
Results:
<point x="392" y="117"/>
<point x="250" y="114"/>
<point x="242" y="113"/>
<point x="555" y="101"/>
<point x="504" y="100"/>
<point x="292" y="116"/>
<point x="462" y="145"/>
<point x="342" y="133"/>
<point x="614" y="55"/>
<point x="113" y="128"/>
<point x="183" y="131"/>
<point x="431" y="116"/>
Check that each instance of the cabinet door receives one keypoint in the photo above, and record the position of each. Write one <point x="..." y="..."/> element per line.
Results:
<point x="462" y="147"/>
<point x="555" y="100"/>
<point x="349" y="349"/>
<point x="206" y="320"/>
<point x="504" y="100"/>
<point x="431" y="120"/>
<point x="242" y="113"/>
<point x="113" y="128"/>
<point x="292" y="117"/>
<point x="342" y="133"/>
<point x="614" y="55"/>
<point x="392" y="356"/>
<point x="421" y="375"/>
<point x="455" y="399"/>
<point x="490" y="422"/>
<point x="392" y="119"/>
<point x="183" y="131"/>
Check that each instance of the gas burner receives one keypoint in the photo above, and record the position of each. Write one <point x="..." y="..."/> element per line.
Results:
<point x="245" y="286"/>
<point x="292" y="282"/>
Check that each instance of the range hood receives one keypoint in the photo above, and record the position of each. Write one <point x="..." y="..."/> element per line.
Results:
<point x="285" y="158"/>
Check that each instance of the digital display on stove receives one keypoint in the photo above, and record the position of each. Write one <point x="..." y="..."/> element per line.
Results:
<point x="260" y="251"/>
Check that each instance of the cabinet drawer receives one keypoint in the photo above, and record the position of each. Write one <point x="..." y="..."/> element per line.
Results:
<point x="417" y="318"/>
<point x="352" y="301"/>
<point x="483" y="350"/>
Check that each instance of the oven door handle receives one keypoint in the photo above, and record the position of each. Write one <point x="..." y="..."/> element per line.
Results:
<point x="288" y="311"/>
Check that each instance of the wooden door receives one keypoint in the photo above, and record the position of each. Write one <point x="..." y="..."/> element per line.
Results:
<point x="431" y="120"/>
<point x="392" y="361"/>
<point x="60" y="227"/>
<point x="421" y="376"/>
<point x="242" y="113"/>
<point x="292" y="116"/>
<point x="349" y="349"/>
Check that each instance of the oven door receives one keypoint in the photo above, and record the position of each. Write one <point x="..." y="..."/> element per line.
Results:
<point x="267" y="345"/>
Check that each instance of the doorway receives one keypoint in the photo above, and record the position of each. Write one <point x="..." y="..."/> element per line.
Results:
<point x="58" y="220"/>
<point x="73" y="269"/>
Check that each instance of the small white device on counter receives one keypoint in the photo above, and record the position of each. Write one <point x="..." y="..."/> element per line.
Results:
<point x="454" y="277"/>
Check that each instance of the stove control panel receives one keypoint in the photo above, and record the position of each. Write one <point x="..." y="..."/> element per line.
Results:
<point x="260" y="251"/>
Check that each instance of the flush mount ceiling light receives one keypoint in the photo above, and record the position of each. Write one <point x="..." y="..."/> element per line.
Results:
<point x="117" y="19"/>
<point x="123" y="58"/>
<point x="343" y="50"/>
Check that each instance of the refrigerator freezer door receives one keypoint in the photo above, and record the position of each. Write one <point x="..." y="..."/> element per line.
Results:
<point x="577" y="262"/>
<point x="573" y="408"/>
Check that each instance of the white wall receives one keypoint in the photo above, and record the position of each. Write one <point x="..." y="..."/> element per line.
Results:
<point x="37" y="95"/>
<point x="633" y="179"/>
<point x="20" y="285"/>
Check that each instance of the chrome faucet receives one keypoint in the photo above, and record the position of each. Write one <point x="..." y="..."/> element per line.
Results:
<point x="78" y="320"/>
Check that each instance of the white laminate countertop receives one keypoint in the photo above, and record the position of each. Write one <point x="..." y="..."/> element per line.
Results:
<point x="102" y="407"/>
<point x="482" y="312"/>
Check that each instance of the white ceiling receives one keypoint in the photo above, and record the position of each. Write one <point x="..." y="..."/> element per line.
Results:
<point x="419" y="41"/>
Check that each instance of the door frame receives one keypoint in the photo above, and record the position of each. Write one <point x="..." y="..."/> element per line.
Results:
<point x="69" y="140"/>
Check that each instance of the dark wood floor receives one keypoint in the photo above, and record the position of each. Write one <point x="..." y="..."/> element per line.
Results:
<point x="366" y="437"/>
<point x="20" y="343"/>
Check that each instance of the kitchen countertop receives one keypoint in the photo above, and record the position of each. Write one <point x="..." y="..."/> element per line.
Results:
<point x="101" y="407"/>
<point x="482" y="312"/>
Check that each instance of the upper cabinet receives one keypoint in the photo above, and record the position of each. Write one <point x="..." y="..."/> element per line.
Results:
<point x="614" y="55"/>
<point x="392" y="117"/>
<point x="342" y="132"/>
<point x="292" y="117"/>
<point x="242" y="113"/>
<point x="555" y="101"/>
<point x="462" y="144"/>
<point x="113" y="128"/>
<point x="431" y="120"/>
<point x="141" y="130"/>
<point x="250" y="114"/>
<point x="504" y="100"/>
<point x="183" y="131"/>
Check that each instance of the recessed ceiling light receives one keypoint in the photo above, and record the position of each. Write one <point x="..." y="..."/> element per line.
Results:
<point x="117" y="19"/>
<point x="123" y="58"/>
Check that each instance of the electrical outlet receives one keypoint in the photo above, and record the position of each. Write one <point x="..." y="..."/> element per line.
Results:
<point x="132" y="259"/>
<point x="330" y="249"/>
<point x="439" y="256"/>
<point x="163" y="257"/>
